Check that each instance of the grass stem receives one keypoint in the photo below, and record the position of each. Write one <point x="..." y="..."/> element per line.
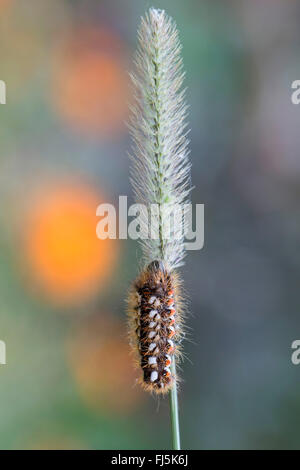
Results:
<point x="174" y="410"/>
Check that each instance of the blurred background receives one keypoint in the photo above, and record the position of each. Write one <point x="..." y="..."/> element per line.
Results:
<point x="69" y="381"/>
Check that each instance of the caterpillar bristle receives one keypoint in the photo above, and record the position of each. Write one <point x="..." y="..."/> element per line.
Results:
<point x="155" y="325"/>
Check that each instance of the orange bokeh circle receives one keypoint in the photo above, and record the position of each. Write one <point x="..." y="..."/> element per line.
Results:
<point x="101" y="363"/>
<point x="90" y="82"/>
<point x="64" y="256"/>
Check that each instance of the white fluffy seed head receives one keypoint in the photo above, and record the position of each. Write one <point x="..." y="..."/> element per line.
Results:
<point x="161" y="170"/>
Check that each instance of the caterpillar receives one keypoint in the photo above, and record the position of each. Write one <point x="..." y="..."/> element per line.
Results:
<point x="155" y="325"/>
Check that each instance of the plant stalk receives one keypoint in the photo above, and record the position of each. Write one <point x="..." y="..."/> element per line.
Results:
<point x="174" y="410"/>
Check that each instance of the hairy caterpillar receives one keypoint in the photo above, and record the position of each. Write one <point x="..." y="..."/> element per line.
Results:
<point x="155" y="321"/>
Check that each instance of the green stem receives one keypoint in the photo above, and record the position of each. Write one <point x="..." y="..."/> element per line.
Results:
<point x="174" y="410"/>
